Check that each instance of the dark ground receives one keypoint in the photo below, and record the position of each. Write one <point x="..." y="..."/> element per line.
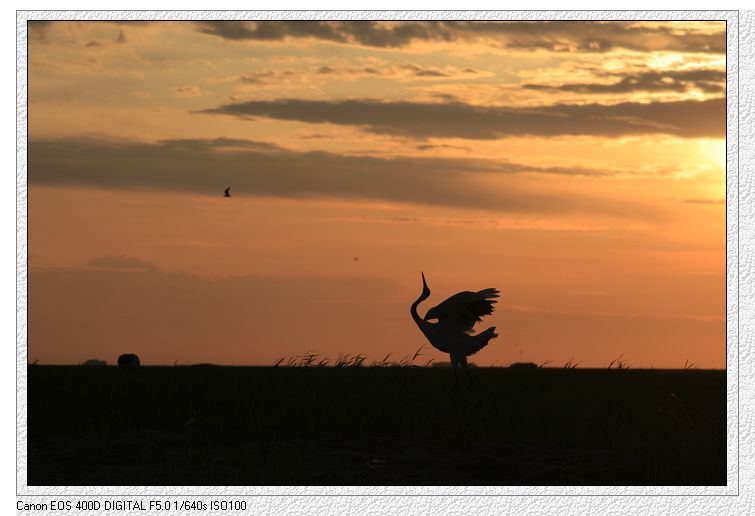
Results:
<point x="207" y="425"/>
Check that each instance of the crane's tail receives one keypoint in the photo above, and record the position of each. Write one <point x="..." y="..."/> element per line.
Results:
<point x="481" y="340"/>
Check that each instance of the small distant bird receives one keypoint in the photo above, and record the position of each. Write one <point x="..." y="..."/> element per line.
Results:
<point x="456" y="317"/>
<point x="227" y="192"/>
<point x="356" y="258"/>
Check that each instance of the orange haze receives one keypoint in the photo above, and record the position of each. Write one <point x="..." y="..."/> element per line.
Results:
<point x="586" y="182"/>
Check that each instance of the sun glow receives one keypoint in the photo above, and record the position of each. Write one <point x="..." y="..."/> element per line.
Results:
<point x="714" y="151"/>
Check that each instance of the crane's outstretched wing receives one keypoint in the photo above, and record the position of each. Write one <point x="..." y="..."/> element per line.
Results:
<point x="461" y="311"/>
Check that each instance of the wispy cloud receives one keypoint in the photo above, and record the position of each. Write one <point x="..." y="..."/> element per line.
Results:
<point x="406" y="72"/>
<point x="707" y="81"/>
<point x="480" y="223"/>
<point x="703" y="200"/>
<point x="430" y="146"/>
<point x="402" y="71"/>
<point x="121" y="263"/>
<point x="189" y="90"/>
<point x="706" y="318"/>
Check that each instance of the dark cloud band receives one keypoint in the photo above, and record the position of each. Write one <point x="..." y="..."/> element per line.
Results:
<point x="257" y="169"/>
<point x="686" y="119"/>
<point x="559" y="36"/>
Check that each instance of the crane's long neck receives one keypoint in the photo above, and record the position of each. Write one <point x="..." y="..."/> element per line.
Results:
<point x="423" y="325"/>
<point x="417" y="319"/>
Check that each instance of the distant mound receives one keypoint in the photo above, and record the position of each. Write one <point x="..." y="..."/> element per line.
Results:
<point x="94" y="362"/>
<point x="523" y="366"/>
<point x="128" y="361"/>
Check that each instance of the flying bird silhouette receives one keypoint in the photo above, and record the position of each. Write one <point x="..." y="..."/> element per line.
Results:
<point x="227" y="192"/>
<point x="456" y="317"/>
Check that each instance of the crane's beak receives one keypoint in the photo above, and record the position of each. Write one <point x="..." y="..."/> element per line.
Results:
<point x="425" y="289"/>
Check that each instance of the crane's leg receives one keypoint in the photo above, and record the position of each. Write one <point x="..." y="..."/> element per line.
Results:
<point x="463" y="362"/>
<point x="455" y="364"/>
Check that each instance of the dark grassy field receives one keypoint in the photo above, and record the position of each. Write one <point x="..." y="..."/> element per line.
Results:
<point x="206" y="425"/>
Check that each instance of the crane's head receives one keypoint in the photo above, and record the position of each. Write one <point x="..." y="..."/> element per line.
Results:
<point x="425" y="289"/>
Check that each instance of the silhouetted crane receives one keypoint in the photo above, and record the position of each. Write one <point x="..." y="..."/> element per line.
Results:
<point x="227" y="192"/>
<point x="456" y="317"/>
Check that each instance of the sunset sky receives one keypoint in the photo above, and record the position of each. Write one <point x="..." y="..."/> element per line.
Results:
<point x="579" y="167"/>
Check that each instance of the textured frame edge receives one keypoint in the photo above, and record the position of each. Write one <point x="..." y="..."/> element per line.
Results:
<point x="734" y="247"/>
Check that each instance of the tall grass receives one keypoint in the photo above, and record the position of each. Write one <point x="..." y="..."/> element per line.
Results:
<point x="310" y="359"/>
